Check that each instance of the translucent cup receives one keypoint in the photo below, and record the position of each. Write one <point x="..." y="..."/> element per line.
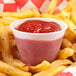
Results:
<point x="36" y="47"/>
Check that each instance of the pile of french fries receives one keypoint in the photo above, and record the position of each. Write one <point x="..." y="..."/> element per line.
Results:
<point x="10" y="65"/>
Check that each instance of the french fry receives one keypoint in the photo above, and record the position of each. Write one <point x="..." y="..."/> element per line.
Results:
<point x="5" y="22"/>
<point x="71" y="25"/>
<point x="70" y="36"/>
<point x="51" y="72"/>
<point x="40" y="67"/>
<point x="65" y="53"/>
<point x="74" y="47"/>
<point x="36" y="12"/>
<point x="6" y="53"/>
<point x="52" y="6"/>
<point x="66" y="43"/>
<point x="74" y="64"/>
<point x="15" y="52"/>
<point x="1" y="74"/>
<point x="1" y="22"/>
<point x="10" y="19"/>
<point x="57" y="63"/>
<point x="69" y="6"/>
<point x="12" y="43"/>
<point x="46" y="15"/>
<point x="20" y="65"/>
<point x="64" y="15"/>
<point x="12" y="71"/>
<point x="74" y="57"/>
<point x="9" y="30"/>
<point x="23" y="14"/>
<point x="73" y="11"/>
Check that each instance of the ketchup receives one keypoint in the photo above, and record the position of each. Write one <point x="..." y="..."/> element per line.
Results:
<point x="37" y="26"/>
<point x="32" y="51"/>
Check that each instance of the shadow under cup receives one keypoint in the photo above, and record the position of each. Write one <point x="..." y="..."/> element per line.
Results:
<point x="36" y="47"/>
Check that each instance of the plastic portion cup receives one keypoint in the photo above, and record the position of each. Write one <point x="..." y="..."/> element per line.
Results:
<point x="36" y="47"/>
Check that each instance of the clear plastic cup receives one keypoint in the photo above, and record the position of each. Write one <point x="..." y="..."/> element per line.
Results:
<point x="36" y="47"/>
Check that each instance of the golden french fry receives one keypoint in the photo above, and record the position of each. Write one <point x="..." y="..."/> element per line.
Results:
<point x="40" y="67"/>
<point x="74" y="64"/>
<point x="70" y="36"/>
<point x="46" y="15"/>
<point x="60" y="63"/>
<point x="6" y="52"/>
<point x="10" y="18"/>
<point x="51" y="72"/>
<point x="74" y="47"/>
<point x="52" y="6"/>
<point x="12" y="71"/>
<point x="12" y="43"/>
<point x="36" y="12"/>
<point x="23" y="14"/>
<point x="9" y="30"/>
<point x="71" y="26"/>
<point x="73" y="11"/>
<point x="19" y="64"/>
<point x="5" y="22"/>
<point x="1" y="22"/>
<point x="64" y="15"/>
<point x="66" y="43"/>
<point x="65" y="53"/>
<point x="74" y="56"/>
<point x="1" y="74"/>
<point x="69" y="6"/>
<point x="15" y="52"/>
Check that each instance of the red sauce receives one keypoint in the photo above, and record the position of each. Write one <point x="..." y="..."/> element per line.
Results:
<point x="34" y="52"/>
<point x="37" y="26"/>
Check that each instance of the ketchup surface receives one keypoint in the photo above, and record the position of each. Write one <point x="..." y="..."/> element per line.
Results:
<point x="37" y="26"/>
<point x="32" y="51"/>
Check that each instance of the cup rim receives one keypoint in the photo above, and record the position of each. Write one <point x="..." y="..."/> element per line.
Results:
<point x="56" y="20"/>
